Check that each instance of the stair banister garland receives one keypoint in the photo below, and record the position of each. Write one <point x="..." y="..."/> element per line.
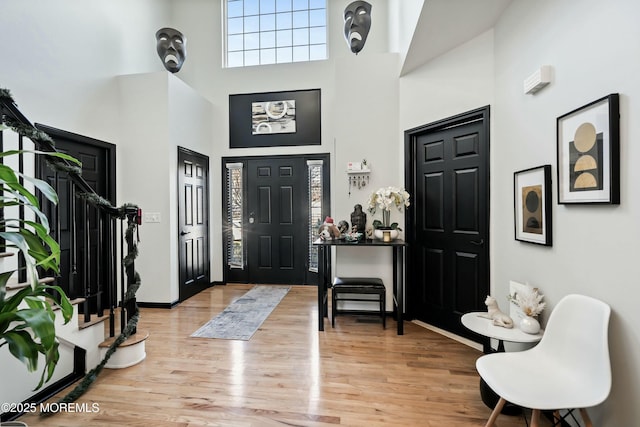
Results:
<point x="130" y="328"/>
<point x="128" y="211"/>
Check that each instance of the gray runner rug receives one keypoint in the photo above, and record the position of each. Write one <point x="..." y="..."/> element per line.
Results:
<point x="242" y="318"/>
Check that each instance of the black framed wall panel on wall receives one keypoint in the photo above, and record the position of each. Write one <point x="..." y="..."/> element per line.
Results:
<point x="272" y="119"/>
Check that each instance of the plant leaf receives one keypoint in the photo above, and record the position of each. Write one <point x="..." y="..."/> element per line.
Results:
<point x="60" y="298"/>
<point x="52" y="356"/>
<point x="41" y="323"/>
<point x="4" y="278"/>
<point x="26" y="194"/>
<point x="23" y="348"/>
<point x="7" y="174"/>
<point x="12" y="303"/>
<point x="44" y="153"/>
<point x="44" y="187"/>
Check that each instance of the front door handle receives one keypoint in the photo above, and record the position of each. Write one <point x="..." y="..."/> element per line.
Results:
<point x="477" y="242"/>
<point x="184" y="233"/>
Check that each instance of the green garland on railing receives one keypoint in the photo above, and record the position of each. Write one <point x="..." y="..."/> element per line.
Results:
<point x="38" y="136"/>
<point x="92" y="375"/>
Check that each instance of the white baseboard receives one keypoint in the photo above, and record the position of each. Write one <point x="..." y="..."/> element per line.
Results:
<point x="447" y="334"/>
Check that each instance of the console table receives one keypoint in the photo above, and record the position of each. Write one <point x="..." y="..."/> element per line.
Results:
<point x="324" y="274"/>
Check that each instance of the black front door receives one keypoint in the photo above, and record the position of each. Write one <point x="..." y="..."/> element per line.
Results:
<point x="272" y="206"/>
<point x="278" y="211"/>
<point x="193" y="222"/>
<point x="449" y="248"/>
<point x="81" y="274"/>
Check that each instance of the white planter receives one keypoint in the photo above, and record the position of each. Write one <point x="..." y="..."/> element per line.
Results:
<point x="379" y="234"/>
<point x="530" y="325"/>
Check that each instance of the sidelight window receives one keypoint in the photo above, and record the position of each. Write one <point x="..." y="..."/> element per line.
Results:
<point x="315" y="179"/>
<point x="235" y="236"/>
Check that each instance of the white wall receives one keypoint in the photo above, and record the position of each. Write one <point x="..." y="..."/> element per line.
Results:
<point x="349" y="85"/>
<point x="365" y="119"/>
<point x="59" y="58"/>
<point x="403" y="18"/>
<point x="60" y="65"/>
<point x="62" y="74"/>
<point x="63" y="57"/>
<point x="594" y="247"/>
<point x="159" y="112"/>
<point x="458" y="81"/>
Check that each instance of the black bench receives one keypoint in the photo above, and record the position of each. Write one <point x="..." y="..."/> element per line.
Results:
<point x="354" y="289"/>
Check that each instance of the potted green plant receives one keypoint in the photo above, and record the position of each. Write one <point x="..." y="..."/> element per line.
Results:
<point x="27" y="325"/>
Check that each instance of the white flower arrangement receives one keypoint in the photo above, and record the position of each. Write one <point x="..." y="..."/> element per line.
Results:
<point x="384" y="199"/>
<point x="387" y="197"/>
<point x="529" y="302"/>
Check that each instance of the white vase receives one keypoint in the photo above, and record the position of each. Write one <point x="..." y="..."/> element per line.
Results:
<point x="379" y="234"/>
<point x="530" y="325"/>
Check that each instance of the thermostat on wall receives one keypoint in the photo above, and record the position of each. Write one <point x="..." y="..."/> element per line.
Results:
<point x="537" y="80"/>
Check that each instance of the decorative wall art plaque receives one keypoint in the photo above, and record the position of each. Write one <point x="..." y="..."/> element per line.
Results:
<point x="589" y="153"/>
<point x="272" y="119"/>
<point x="532" y="205"/>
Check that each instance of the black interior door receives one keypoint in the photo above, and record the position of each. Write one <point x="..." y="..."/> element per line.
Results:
<point x="98" y="170"/>
<point x="193" y="222"/>
<point x="449" y="246"/>
<point x="277" y="206"/>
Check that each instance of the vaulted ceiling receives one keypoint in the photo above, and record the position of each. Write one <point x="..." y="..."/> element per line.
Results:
<point x="445" y="24"/>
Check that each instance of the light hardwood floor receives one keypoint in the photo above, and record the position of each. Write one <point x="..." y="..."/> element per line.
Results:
<point x="288" y="374"/>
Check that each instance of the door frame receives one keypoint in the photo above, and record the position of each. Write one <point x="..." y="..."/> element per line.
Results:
<point x="410" y="139"/>
<point x="184" y="294"/>
<point x="109" y="150"/>
<point x="242" y="275"/>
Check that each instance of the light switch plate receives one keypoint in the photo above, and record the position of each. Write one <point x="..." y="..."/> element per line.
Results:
<point x="150" y="217"/>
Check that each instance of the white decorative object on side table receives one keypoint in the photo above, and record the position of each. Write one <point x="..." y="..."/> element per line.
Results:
<point x="494" y="313"/>
<point x="529" y="301"/>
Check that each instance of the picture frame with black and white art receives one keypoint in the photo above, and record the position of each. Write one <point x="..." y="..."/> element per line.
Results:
<point x="275" y="119"/>
<point x="532" y="205"/>
<point x="588" y="143"/>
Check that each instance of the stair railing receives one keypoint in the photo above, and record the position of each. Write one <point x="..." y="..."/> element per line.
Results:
<point x="117" y="224"/>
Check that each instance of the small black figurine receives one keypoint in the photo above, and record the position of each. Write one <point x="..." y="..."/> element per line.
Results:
<point x="358" y="219"/>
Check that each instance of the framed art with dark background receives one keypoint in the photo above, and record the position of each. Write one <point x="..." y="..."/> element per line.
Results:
<point x="589" y="153"/>
<point x="532" y="205"/>
<point x="272" y="119"/>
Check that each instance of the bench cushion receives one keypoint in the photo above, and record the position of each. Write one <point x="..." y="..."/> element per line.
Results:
<point x="358" y="283"/>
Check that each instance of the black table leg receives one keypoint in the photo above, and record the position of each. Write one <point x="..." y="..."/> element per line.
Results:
<point x="321" y="286"/>
<point x="398" y="285"/>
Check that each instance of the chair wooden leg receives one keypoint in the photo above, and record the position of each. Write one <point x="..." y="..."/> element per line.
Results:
<point x="585" y="417"/>
<point x="535" y="418"/>
<point x="495" y="413"/>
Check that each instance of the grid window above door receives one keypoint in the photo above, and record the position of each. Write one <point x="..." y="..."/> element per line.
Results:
<point x="260" y="32"/>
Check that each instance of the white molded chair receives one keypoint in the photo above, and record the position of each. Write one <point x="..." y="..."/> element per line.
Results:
<point x="568" y="369"/>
